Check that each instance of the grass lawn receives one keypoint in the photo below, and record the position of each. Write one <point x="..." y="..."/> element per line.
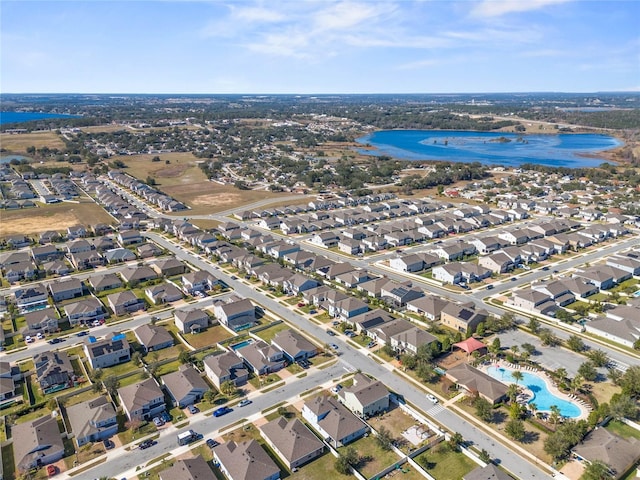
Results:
<point x="8" y="462"/>
<point x="266" y="381"/>
<point x="603" y="391"/>
<point x="320" y="469"/>
<point x="374" y="459"/>
<point x="20" y="143"/>
<point x="127" y="436"/>
<point x="120" y="369"/>
<point x="62" y="215"/>
<point x="164" y="353"/>
<point x="210" y="336"/>
<point x="622" y="429"/>
<point x="131" y="379"/>
<point x="443" y="465"/>
<point x="168" y="368"/>
<point x="80" y="397"/>
<point x="268" y="333"/>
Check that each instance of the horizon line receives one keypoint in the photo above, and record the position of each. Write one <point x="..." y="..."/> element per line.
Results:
<point x="637" y="92"/>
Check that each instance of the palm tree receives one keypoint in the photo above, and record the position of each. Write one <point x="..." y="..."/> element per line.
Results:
<point x="560" y="374"/>
<point x="576" y="383"/>
<point x="533" y="408"/>
<point x="512" y="392"/>
<point x="555" y="416"/>
<point x="517" y="376"/>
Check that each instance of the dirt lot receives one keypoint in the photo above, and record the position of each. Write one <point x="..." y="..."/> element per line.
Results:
<point x="182" y="170"/>
<point x="20" y="143"/>
<point x="51" y="217"/>
<point x="207" y="197"/>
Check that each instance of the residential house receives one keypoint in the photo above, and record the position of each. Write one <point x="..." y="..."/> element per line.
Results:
<point x="449" y="273"/>
<point x="87" y="260"/>
<point x="262" y="358"/>
<point x="619" y="454"/>
<point x="93" y="421"/>
<point x="353" y="278"/>
<point x="462" y="318"/>
<point x="292" y="441"/>
<point x="129" y="237"/>
<point x="621" y="325"/>
<point x="245" y="461"/>
<point x="190" y="321"/>
<point x="429" y="305"/>
<point x="410" y="340"/>
<point x="370" y="320"/>
<point x="603" y="276"/>
<point x="40" y="443"/>
<point x="488" y="472"/>
<point x="41" y="321"/>
<point x="143" y="400"/>
<point x="198" y="281"/>
<point x="534" y="301"/>
<point x="66" y="289"/>
<point x="108" y="352"/>
<point x="118" y="255"/>
<point x="399" y="294"/>
<point x="497" y="262"/>
<point x="185" y="387"/>
<point x="225" y="367"/>
<point x="169" y="267"/>
<point x="188" y="469"/>
<point x="85" y="311"/>
<point x="136" y="275"/>
<point x="122" y="303"/>
<point x="333" y="420"/>
<point x="30" y="296"/>
<point x="236" y="314"/>
<point x="57" y="267"/>
<point x="153" y="337"/>
<point x="366" y="397"/>
<point x="299" y="283"/>
<point x="477" y="382"/>
<point x="557" y="290"/>
<point x="163" y="293"/>
<point x="294" y="345"/>
<point x="325" y="239"/>
<point x="53" y="371"/>
<point x="108" y="281"/>
<point x="46" y="253"/>
<point x="625" y="263"/>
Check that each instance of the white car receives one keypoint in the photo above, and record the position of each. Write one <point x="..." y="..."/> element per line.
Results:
<point x="29" y="339"/>
<point x="244" y="403"/>
<point x="432" y="398"/>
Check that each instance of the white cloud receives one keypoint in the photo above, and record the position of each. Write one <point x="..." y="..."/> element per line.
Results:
<point x="497" y="8"/>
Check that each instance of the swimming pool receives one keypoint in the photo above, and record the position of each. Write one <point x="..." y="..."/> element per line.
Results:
<point x="636" y="294"/>
<point x="542" y="397"/>
<point x="241" y="344"/>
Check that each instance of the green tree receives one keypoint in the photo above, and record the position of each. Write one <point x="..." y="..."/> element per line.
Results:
<point x="480" y="329"/>
<point x="184" y="357"/>
<point x="596" y="470"/>
<point x="495" y="346"/>
<point x="111" y="383"/>
<point x="598" y="357"/>
<point x="529" y="348"/>
<point x="512" y="392"/>
<point x="623" y="406"/>
<point x="588" y="371"/>
<point x="630" y="381"/>
<point x="210" y="396"/>
<point x="484" y="409"/>
<point x="575" y="343"/>
<point x="484" y="456"/>
<point x="52" y="404"/>
<point x="137" y="358"/>
<point x="384" y="439"/>
<point x="576" y="383"/>
<point x="555" y="416"/>
<point x="455" y="441"/>
<point x="347" y="458"/>
<point x="548" y="338"/>
<point x="534" y="325"/>
<point x="228" y="388"/>
<point x="516" y="411"/>
<point x="517" y="376"/>
<point x="515" y="429"/>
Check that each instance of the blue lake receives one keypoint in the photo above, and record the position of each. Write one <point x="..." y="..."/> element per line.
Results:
<point x="561" y="150"/>
<point x="21" y="117"/>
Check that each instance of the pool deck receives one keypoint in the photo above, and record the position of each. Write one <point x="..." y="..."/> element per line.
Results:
<point x="584" y="408"/>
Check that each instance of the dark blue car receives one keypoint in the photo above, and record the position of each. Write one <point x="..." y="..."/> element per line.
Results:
<point x="222" y="411"/>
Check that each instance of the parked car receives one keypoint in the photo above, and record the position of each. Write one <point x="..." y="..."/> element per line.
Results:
<point x="301" y="304"/>
<point x="53" y="341"/>
<point x="193" y="409"/>
<point x="222" y="411"/>
<point x="211" y="443"/>
<point x="82" y="333"/>
<point x="146" y="444"/>
<point x="158" y="422"/>
<point x="165" y="417"/>
<point x="244" y="403"/>
<point x="489" y="287"/>
<point x="432" y="398"/>
<point x="39" y="336"/>
<point x="52" y="470"/>
<point x="108" y="444"/>
<point x="337" y="388"/>
<point x="29" y="339"/>
<point x="331" y="333"/>
<point x="334" y="346"/>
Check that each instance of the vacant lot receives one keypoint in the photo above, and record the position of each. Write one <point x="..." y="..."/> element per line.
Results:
<point x="51" y="217"/>
<point x="182" y="169"/>
<point x="20" y="143"/>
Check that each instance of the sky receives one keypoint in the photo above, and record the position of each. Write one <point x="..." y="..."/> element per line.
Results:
<point x="326" y="46"/>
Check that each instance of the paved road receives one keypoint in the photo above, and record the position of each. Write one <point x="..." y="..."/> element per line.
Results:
<point x="121" y="463"/>
<point x="357" y="360"/>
